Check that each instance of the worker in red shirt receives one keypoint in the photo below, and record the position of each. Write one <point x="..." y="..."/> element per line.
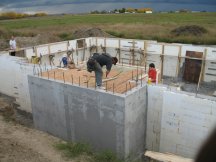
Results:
<point x="152" y="72"/>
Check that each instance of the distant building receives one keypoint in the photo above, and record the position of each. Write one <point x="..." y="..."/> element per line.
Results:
<point x="148" y="12"/>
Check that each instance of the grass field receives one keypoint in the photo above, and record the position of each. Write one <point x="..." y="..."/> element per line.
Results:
<point x="138" y="26"/>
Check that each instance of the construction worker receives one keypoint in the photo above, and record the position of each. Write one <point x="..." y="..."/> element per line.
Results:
<point x="96" y="62"/>
<point x="64" y="60"/>
<point x="12" y="44"/>
<point x="152" y="73"/>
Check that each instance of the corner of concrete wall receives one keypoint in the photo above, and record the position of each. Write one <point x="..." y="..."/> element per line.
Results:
<point x="78" y="114"/>
<point x="154" y="116"/>
<point x="135" y="122"/>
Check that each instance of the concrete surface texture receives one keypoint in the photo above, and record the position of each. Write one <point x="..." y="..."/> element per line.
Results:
<point x="186" y="123"/>
<point x="14" y="80"/>
<point x="101" y="119"/>
<point x="154" y="116"/>
<point x="178" y="122"/>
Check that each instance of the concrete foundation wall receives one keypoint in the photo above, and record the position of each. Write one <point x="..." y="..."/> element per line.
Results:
<point x="154" y="50"/>
<point x="135" y="122"/>
<point x="14" y="80"/>
<point x="178" y="122"/>
<point x="154" y="115"/>
<point x="186" y="123"/>
<point x="80" y="114"/>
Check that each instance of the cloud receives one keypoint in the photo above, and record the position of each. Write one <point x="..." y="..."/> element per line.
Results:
<point x="80" y="6"/>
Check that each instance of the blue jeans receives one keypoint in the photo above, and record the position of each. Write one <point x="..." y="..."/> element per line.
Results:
<point x="98" y="74"/>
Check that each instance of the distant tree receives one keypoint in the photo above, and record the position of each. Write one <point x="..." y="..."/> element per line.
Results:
<point x="95" y="12"/>
<point x="130" y="10"/>
<point x="122" y="10"/>
<point x="39" y="14"/>
<point x="184" y="10"/>
<point x="143" y="10"/>
<point x="103" y="12"/>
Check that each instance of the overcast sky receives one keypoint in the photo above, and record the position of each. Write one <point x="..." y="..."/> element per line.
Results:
<point x="84" y="6"/>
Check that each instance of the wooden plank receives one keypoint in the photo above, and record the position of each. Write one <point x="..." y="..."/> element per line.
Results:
<point x="166" y="157"/>
<point x="202" y="69"/>
<point x="162" y="61"/>
<point x="193" y="67"/>
<point x="179" y="61"/>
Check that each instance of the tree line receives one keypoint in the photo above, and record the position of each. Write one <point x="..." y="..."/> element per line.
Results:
<point x="124" y="10"/>
<point x="14" y="15"/>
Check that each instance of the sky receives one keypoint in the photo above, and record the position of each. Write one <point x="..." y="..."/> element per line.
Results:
<point x="85" y="6"/>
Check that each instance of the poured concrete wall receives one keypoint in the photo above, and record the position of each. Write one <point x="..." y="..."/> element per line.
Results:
<point x="135" y="121"/>
<point x="154" y="115"/>
<point x="14" y="80"/>
<point x="86" y="115"/>
<point x="178" y="122"/>
<point x="186" y="123"/>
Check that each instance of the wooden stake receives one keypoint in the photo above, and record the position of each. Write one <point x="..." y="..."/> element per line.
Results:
<point x="162" y="61"/>
<point x="202" y="69"/>
<point x="179" y="61"/>
<point x="119" y="51"/>
<point x="145" y="54"/>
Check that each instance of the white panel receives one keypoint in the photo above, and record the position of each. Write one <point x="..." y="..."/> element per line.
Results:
<point x="191" y="48"/>
<point x="126" y="43"/>
<point x="209" y="78"/>
<point x="72" y="44"/>
<point x="100" y="42"/>
<point x="171" y="50"/>
<point x="211" y="54"/>
<point x="29" y="53"/>
<point x="140" y="44"/>
<point x="153" y="48"/>
<point x="88" y="41"/>
<point x="170" y="66"/>
<point x="154" y="59"/>
<point x="42" y="50"/>
<point x="112" y="43"/>
<point x="93" y="42"/>
<point x="54" y="48"/>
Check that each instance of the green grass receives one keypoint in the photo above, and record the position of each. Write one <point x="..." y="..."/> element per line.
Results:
<point x="156" y="26"/>
<point x="162" y="19"/>
<point x="76" y="150"/>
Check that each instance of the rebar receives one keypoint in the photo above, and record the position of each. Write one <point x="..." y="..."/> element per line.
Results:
<point x="48" y="74"/>
<point x="126" y="88"/>
<point x="113" y="87"/>
<point x="137" y="72"/>
<point x="63" y="77"/>
<point x="79" y="80"/>
<point x="106" y="86"/>
<point x="132" y="75"/>
<point x="54" y="75"/>
<point x="38" y="72"/>
<point x="130" y="85"/>
<point x="141" y="77"/>
<point x="72" y="79"/>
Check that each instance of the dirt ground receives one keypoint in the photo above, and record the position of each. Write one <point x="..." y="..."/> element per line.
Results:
<point x="19" y="143"/>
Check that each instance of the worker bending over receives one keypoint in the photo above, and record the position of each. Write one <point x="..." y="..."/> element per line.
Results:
<point x="96" y="62"/>
<point x="152" y="73"/>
